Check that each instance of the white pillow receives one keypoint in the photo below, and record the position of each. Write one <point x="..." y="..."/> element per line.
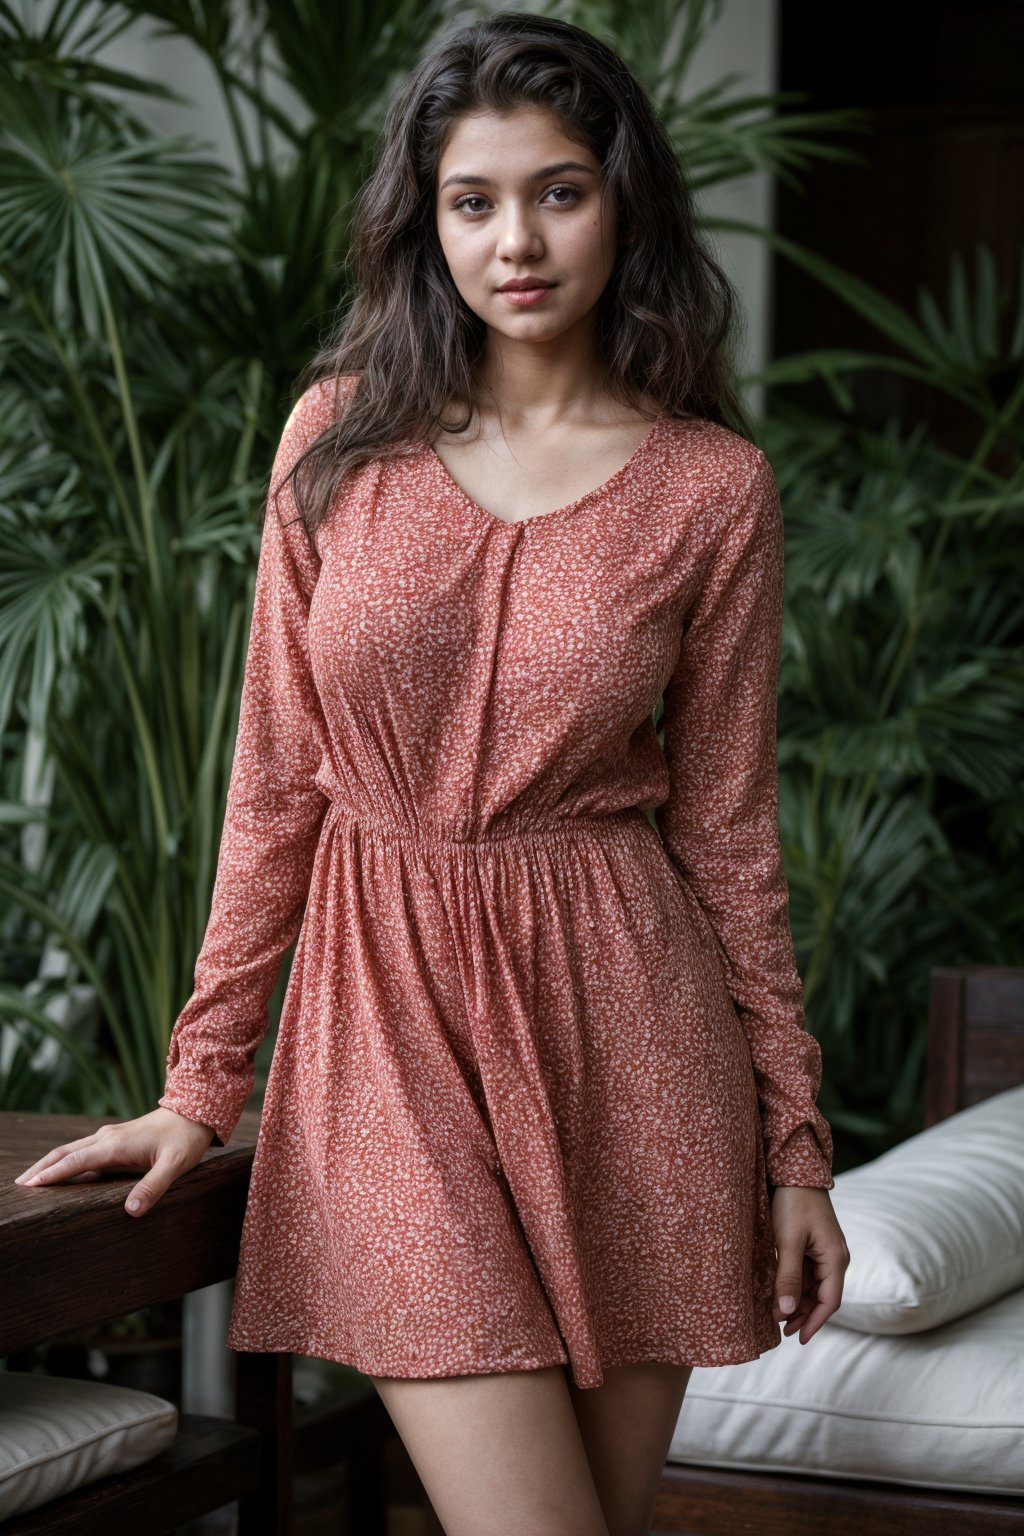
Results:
<point x="942" y="1409"/>
<point x="935" y="1226"/>
<point x="58" y="1433"/>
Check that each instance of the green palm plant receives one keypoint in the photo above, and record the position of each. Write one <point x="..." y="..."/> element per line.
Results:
<point x="156" y="307"/>
<point x="902" y="692"/>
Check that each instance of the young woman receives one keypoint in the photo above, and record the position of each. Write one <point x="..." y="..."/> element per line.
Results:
<point x="540" y="1132"/>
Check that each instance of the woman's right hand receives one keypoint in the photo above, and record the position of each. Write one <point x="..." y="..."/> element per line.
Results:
<point x="163" y="1143"/>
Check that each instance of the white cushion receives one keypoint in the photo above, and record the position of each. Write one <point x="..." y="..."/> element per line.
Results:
<point x="935" y="1226"/>
<point x="57" y="1434"/>
<point x="933" y="1410"/>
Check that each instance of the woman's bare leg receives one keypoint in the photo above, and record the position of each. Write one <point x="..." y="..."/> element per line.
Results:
<point x="498" y="1454"/>
<point x="627" y="1427"/>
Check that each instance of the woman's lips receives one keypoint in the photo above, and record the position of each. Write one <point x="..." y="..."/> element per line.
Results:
<point x="526" y="295"/>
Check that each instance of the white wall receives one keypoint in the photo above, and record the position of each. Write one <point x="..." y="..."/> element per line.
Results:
<point x="744" y="40"/>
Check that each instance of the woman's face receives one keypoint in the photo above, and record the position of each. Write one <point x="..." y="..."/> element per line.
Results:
<point x="510" y="206"/>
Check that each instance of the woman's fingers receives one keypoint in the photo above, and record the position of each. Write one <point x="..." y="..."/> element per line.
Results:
<point x="163" y="1144"/>
<point x="72" y="1157"/>
<point x="111" y="1148"/>
<point x="157" y="1183"/>
<point x="822" y="1294"/>
<point x="806" y="1300"/>
<point x="830" y="1291"/>
<point x="169" y="1164"/>
<point x="812" y="1259"/>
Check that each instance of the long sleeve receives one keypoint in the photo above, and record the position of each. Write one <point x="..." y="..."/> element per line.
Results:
<point x="719" y="824"/>
<point x="272" y="821"/>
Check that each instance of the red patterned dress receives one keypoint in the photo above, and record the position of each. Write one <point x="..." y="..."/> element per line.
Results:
<point x="538" y="1058"/>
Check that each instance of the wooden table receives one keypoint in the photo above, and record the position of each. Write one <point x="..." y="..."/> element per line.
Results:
<point x="73" y="1258"/>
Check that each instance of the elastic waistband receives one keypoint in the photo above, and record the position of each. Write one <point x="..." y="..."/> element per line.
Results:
<point x="617" y="826"/>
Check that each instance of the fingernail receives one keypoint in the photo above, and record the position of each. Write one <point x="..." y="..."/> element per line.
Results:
<point x="787" y="1303"/>
<point x="133" y="1205"/>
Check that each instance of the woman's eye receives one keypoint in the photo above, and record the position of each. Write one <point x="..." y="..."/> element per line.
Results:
<point x="462" y="203"/>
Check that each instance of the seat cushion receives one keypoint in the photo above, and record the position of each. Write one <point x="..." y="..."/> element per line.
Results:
<point x="942" y="1409"/>
<point x="935" y="1226"/>
<point x="57" y="1434"/>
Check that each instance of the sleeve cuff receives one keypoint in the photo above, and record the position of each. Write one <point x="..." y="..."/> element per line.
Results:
<point x="800" y="1160"/>
<point x="205" y="1109"/>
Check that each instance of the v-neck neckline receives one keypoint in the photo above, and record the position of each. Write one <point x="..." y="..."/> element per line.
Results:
<point x="569" y="508"/>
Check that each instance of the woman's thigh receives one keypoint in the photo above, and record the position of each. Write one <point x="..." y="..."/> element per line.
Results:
<point x="627" y="1427"/>
<point x="498" y="1454"/>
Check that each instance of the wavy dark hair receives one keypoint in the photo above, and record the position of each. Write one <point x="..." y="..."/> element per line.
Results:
<point x="666" y="315"/>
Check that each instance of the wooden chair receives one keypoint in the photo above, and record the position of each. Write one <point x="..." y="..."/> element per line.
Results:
<point x="73" y="1258"/>
<point x="975" y="1049"/>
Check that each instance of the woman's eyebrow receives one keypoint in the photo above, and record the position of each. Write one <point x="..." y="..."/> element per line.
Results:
<point x="549" y="170"/>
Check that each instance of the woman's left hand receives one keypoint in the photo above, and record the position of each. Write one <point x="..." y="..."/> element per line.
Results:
<point x="812" y="1258"/>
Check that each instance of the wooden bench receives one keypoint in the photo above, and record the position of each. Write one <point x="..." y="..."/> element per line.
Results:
<point x="73" y="1258"/>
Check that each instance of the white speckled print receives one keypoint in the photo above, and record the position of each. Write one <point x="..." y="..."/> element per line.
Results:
<point x="535" y="1062"/>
